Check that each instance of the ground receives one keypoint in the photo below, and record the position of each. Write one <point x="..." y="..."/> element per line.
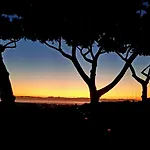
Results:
<point x="107" y="123"/>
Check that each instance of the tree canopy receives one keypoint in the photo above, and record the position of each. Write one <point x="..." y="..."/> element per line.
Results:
<point x="112" y="24"/>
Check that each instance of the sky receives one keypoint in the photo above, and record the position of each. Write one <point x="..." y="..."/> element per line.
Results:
<point x="37" y="70"/>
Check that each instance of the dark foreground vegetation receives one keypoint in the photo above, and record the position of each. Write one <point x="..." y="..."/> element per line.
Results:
<point x="107" y="124"/>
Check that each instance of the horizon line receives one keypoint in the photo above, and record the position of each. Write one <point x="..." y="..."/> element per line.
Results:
<point x="77" y="97"/>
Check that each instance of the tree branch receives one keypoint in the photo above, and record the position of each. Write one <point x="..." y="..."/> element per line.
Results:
<point x="11" y="41"/>
<point x="148" y="76"/>
<point x="74" y="61"/>
<point x="78" y="66"/>
<point x="81" y="71"/>
<point x="149" y="72"/>
<point x="121" y="56"/>
<point x="128" y="51"/>
<point x="59" y="42"/>
<point x="94" y="66"/>
<point x="131" y="67"/>
<point x="99" y="52"/>
<point x="60" y="50"/>
<point x="135" y="76"/>
<point x="91" y="52"/>
<point x="14" y="46"/>
<point x="5" y="46"/>
<point x="119" y="76"/>
<point x="144" y="70"/>
<point x="93" y="72"/>
<point x="84" y="55"/>
<point x="8" y="44"/>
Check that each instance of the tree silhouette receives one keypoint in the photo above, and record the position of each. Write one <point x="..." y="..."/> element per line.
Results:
<point x="7" y="32"/>
<point x="6" y="92"/>
<point x="143" y="82"/>
<point x="91" y="33"/>
<point x="90" y="80"/>
<point x="90" y="29"/>
<point x="143" y="44"/>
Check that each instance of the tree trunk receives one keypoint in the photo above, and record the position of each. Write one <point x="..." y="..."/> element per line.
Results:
<point x="94" y="96"/>
<point x="144" y="92"/>
<point x="6" y="92"/>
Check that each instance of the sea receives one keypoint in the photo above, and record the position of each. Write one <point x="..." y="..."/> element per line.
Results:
<point x="62" y="102"/>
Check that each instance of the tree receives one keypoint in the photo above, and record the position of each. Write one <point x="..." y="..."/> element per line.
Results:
<point x="90" y="81"/>
<point x="79" y="30"/>
<point x="111" y="26"/>
<point x="143" y="82"/>
<point x="144" y="13"/>
<point x="7" y="32"/>
<point x="6" y="92"/>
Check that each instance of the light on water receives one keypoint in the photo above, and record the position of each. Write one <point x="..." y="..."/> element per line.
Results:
<point x="51" y="101"/>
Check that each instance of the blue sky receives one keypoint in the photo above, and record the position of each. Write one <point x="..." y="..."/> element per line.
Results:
<point x="37" y="70"/>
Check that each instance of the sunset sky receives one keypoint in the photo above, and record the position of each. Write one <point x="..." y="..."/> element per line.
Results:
<point x="36" y="70"/>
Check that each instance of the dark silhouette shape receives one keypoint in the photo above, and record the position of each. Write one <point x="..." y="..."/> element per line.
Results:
<point x="143" y="47"/>
<point x="6" y="92"/>
<point x="81" y="34"/>
<point x="143" y="82"/>
<point x="144" y="93"/>
<point x="94" y="93"/>
<point x="92" y="33"/>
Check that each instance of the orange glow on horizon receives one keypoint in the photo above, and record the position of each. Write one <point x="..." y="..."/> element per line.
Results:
<point x="75" y="89"/>
<point x="71" y="85"/>
<point x="44" y="72"/>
